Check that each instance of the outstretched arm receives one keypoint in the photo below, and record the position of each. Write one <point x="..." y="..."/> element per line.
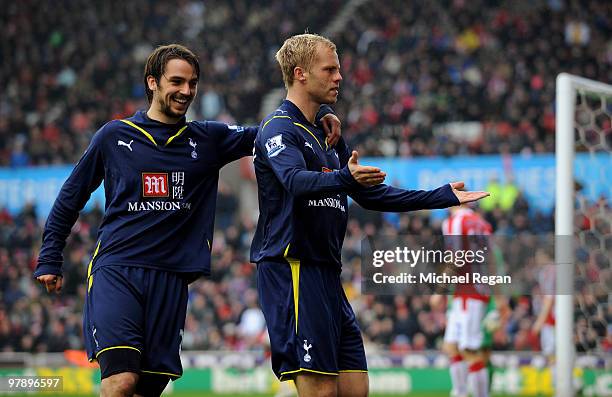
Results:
<point x="84" y="179"/>
<point x="391" y="199"/>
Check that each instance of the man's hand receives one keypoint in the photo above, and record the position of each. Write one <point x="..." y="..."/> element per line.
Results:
<point x="332" y="127"/>
<point x="51" y="282"/>
<point x="466" y="197"/>
<point x="367" y="176"/>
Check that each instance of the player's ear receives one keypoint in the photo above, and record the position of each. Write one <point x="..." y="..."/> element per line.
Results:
<point x="299" y="74"/>
<point x="151" y="83"/>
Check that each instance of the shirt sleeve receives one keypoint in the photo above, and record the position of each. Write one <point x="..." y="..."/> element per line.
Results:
<point x="233" y="141"/>
<point x="344" y="152"/>
<point x="282" y="149"/>
<point x="74" y="194"/>
<point x="391" y="199"/>
<point x="324" y="110"/>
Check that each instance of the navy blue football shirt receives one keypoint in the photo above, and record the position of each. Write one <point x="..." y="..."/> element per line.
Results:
<point x="160" y="182"/>
<point x="303" y="186"/>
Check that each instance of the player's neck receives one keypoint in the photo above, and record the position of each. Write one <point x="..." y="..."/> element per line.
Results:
<point x="308" y="108"/>
<point x="157" y="115"/>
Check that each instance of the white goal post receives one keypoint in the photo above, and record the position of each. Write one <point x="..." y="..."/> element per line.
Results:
<point x="568" y="87"/>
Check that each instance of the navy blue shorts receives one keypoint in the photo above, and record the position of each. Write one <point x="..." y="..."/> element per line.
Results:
<point x="139" y="309"/>
<point x="311" y="324"/>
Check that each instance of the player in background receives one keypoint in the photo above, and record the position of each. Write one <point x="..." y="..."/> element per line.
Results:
<point x="160" y="176"/>
<point x="544" y="325"/>
<point x="458" y="368"/>
<point x="471" y="312"/>
<point x="303" y="186"/>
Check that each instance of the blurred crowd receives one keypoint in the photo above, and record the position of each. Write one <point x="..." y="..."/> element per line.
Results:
<point x="69" y="66"/>
<point x="410" y="79"/>
<point x="223" y="312"/>
<point x="480" y="80"/>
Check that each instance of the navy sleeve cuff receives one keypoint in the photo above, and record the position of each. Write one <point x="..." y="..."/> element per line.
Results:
<point x="341" y="145"/>
<point x="450" y="196"/>
<point x="347" y="178"/>
<point x="48" y="268"/>
<point x="323" y="111"/>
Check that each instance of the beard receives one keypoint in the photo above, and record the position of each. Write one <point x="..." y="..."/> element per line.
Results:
<point x="166" y="109"/>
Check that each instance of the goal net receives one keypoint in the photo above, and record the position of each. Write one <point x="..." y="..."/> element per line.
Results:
<point x="583" y="220"/>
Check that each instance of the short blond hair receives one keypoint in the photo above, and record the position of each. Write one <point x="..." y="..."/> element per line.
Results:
<point x="299" y="50"/>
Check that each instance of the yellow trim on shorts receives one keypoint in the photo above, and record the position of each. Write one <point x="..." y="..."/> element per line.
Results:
<point x="283" y="374"/>
<point x="160" y="373"/>
<point x="116" y="347"/>
<point x="295" y="278"/>
<point x="89" y="276"/>
<point x="295" y="281"/>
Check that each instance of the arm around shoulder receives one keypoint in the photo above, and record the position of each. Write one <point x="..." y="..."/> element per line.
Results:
<point x="233" y="141"/>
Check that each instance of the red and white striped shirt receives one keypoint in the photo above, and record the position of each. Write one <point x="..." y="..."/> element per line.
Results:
<point x="465" y="222"/>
